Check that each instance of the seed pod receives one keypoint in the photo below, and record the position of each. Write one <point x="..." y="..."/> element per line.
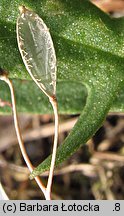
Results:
<point x="37" y="50"/>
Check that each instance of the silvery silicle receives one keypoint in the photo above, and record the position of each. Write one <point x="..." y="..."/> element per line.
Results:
<point x="38" y="54"/>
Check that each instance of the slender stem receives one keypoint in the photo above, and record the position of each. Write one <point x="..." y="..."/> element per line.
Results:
<point x="3" y="195"/>
<point x="53" y="101"/>
<point x="18" y="132"/>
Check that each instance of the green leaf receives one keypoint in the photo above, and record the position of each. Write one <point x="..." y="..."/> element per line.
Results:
<point x="30" y="99"/>
<point x="89" y="48"/>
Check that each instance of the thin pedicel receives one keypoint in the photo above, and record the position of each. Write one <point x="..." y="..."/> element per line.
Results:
<point x="4" y="77"/>
<point x="38" y="54"/>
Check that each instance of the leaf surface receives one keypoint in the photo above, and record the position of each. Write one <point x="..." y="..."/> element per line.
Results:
<point x="89" y="47"/>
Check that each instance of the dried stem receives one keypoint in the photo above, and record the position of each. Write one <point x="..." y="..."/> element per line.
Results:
<point x="53" y="102"/>
<point x="3" y="195"/>
<point x="17" y="128"/>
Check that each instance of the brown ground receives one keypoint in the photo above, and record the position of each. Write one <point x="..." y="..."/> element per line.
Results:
<point x="96" y="171"/>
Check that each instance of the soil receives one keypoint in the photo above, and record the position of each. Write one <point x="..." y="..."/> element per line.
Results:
<point x="95" y="171"/>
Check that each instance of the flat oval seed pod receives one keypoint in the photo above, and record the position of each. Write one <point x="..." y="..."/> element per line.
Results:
<point x="37" y="50"/>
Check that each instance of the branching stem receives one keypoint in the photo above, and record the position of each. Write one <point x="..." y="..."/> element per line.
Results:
<point x="46" y="191"/>
<point x="18" y="132"/>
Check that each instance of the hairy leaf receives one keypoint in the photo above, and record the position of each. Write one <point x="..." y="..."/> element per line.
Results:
<point x="89" y="48"/>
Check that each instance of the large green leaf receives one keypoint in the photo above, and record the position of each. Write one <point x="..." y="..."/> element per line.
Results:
<point x="29" y="98"/>
<point x="89" y="48"/>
